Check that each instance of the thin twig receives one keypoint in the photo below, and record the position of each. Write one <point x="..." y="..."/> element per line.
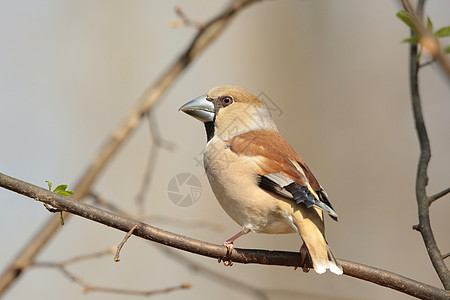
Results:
<point x="446" y="255"/>
<point x="71" y="276"/>
<point x="245" y="256"/>
<point x="427" y="40"/>
<point x="147" y="179"/>
<point x="125" y="239"/>
<point x="423" y="201"/>
<point x="161" y="219"/>
<point x="62" y="266"/>
<point x="94" y="255"/>
<point x="134" y="292"/>
<point x="97" y="199"/>
<point x="184" y="20"/>
<point x="184" y="223"/>
<point x="87" y="287"/>
<point x="75" y="259"/>
<point x="439" y="195"/>
<point x="205" y="37"/>
<point x="426" y="63"/>
<point x="156" y="135"/>
<point x="157" y="143"/>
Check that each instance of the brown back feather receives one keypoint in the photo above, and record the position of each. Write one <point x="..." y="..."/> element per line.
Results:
<point x="274" y="152"/>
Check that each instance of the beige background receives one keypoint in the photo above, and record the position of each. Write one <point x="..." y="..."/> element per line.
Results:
<point x="70" y="69"/>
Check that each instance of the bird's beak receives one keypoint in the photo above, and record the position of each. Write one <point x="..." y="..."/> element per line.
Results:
<point x="200" y="108"/>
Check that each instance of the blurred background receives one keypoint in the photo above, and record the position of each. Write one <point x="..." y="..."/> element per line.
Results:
<point x="336" y="70"/>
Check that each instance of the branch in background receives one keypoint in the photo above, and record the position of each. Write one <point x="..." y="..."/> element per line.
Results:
<point x="184" y="20"/>
<point x="100" y="201"/>
<point x="76" y="259"/>
<point x="161" y="219"/>
<point x="62" y="266"/>
<point x="423" y="201"/>
<point x="219" y="277"/>
<point x="279" y="258"/>
<point x="136" y="293"/>
<point x="235" y="284"/>
<point x="205" y="36"/>
<point x="427" y="40"/>
<point x="184" y="223"/>
<point x="157" y="143"/>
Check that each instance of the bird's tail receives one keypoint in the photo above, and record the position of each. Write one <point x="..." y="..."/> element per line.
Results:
<point x="322" y="259"/>
<point x="309" y="223"/>
<point x="333" y="264"/>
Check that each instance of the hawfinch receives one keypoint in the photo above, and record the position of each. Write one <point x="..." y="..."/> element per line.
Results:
<point x="257" y="177"/>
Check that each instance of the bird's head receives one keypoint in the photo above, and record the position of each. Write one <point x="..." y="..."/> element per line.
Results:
<point x="228" y="111"/>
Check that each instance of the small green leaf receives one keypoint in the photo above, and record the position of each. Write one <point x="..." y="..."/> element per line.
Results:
<point x="406" y="18"/>
<point x="65" y="193"/>
<point x="447" y="49"/>
<point x="443" y="32"/>
<point x="429" y="25"/>
<point x="411" y="40"/>
<point x="49" y="185"/>
<point x="61" y="189"/>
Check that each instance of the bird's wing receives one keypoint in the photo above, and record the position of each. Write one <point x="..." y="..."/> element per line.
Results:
<point x="280" y="169"/>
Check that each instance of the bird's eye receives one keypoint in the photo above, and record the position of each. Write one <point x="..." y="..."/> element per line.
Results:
<point x="227" y="100"/>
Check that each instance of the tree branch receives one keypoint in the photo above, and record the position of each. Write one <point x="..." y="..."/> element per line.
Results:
<point x="439" y="195"/>
<point x="157" y="143"/>
<point x="423" y="201"/>
<point x="125" y="239"/>
<point x="233" y="283"/>
<point x="87" y="287"/>
<point x="427" y="40"/>
<point x="207" y="34"/>
<point x="245" y="256"/>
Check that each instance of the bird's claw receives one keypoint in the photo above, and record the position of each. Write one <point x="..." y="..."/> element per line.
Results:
<point x="304" y="253"/>
<point x="227" y="260"/>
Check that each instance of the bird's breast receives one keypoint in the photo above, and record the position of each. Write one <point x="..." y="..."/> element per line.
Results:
<point x="234" y="181"/>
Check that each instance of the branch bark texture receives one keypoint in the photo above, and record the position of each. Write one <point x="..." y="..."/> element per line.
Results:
<point x="245" y="256"/>
<point x="423" y="200"/>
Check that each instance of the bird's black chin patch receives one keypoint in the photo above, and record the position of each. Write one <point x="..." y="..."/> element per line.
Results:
<point x="209" y="126"/>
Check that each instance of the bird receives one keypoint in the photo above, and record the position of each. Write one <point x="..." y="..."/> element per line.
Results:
<point x="260" y="181"/>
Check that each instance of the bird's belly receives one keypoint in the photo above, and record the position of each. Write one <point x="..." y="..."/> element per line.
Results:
<point x="237" y="191"/>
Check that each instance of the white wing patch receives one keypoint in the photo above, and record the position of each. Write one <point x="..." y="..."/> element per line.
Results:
<point x="280" y="179"/>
